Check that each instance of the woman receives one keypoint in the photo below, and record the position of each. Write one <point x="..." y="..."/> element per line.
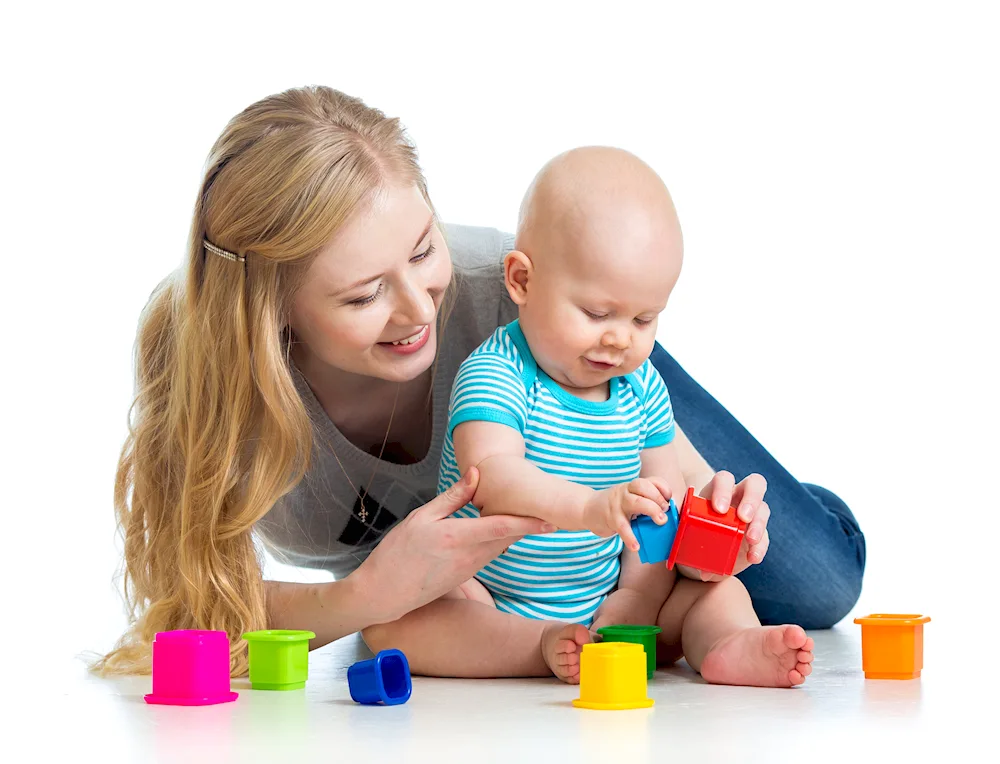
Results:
<point x="294" y="385"/>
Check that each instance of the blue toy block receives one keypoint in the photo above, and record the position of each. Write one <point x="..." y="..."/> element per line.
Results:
<point x="655" y="541"/>
<point x="382" y="679"/>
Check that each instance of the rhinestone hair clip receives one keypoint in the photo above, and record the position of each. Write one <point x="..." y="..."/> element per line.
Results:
<point x="224" y="253"/>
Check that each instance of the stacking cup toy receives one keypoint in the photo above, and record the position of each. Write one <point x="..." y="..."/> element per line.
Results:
<point x="191" y="668"/>
<point x="382" y="679"/>
<point x="279" y="659"/>
<point x="892" y="645"/>
<point x="612" y="677"/>
<point x="656" y="541"/>
<point x="640" y="635"/>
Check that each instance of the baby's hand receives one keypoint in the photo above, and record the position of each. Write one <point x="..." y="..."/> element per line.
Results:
<point x="611" y="510"/>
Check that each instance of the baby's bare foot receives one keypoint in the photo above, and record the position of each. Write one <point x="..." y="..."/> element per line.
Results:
<point x="561" y="646"/>
<point x="762" y="656"/>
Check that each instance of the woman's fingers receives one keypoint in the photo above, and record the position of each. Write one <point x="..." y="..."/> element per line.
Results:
<point x="755" y="554"/>
<point x="758" y="527"/>
<point x="452" y="500"/>
<point x="720" y="491"/>
<point x="505" y="529"/>
<point x="750" y="492"/>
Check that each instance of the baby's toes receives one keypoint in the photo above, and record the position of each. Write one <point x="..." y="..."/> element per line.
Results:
<point x="580" y="636"/>
<point x="804" y="656"/>
<point x="567" y="656"/>
<point x="794" y="638"/>
<point x="804" y="668"/>
<point x="795" y="677"/>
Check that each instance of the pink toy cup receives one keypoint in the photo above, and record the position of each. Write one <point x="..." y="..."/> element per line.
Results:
<point x="191" y="668"/>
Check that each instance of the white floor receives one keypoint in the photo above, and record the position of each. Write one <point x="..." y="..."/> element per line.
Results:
<point x="837" y="715"/>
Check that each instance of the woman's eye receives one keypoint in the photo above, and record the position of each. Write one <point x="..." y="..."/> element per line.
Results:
<point x="361" y="301"/>
<point x="423" y="255"/>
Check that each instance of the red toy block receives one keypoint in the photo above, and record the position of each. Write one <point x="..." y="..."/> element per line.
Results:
<point x="706" y="540"/>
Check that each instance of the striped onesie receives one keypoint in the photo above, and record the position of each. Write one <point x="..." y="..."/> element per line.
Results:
<point x="565" y="575"/>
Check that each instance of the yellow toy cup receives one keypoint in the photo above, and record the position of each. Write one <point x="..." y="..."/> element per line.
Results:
<point x="892" y="645"/>
<point x="613" y="677"/>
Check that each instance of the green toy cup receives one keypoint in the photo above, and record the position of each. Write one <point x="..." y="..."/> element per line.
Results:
<point x="641" y="635"/>
<point x="279" y="659"/>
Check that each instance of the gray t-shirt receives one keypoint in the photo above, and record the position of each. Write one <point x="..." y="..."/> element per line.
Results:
<point x="318" y="524"/>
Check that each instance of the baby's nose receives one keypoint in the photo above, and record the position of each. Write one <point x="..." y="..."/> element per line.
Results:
<point x="617" y="338"/>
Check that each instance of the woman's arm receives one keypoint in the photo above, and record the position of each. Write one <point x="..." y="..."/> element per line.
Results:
<point x="330" y="610"/>
<point x="426" y="555"/>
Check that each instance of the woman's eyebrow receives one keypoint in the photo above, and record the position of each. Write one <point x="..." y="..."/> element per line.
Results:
<point x="427" y="229"/>
<point x="367" y="281"/>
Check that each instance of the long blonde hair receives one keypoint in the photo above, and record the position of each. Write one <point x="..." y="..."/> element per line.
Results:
<point x="217" y="432"/>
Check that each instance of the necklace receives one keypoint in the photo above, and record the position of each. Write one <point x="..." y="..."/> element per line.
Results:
<point x="363" y="512"/>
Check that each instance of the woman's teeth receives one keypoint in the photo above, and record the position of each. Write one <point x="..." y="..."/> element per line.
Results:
<point x="410" y="340"/>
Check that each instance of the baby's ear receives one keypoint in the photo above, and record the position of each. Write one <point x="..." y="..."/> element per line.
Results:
<point x="517" y="271"/>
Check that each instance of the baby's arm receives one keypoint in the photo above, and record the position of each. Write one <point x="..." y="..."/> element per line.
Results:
<point x="511" y="485"/>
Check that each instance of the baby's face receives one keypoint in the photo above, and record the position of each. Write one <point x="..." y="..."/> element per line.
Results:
<point x="594" y="300"/>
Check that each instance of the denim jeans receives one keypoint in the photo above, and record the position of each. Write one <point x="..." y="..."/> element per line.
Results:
<point x="816" y="559"/>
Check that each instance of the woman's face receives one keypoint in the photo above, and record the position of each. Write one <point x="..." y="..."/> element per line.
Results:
<point x="379" y="282"/>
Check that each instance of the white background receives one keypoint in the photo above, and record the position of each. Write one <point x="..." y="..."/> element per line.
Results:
<point x="835" y="167"/>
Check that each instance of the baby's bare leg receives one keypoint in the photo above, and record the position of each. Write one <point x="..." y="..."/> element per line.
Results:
<point x="715" y="627"/>
<point x="464" y="635"/>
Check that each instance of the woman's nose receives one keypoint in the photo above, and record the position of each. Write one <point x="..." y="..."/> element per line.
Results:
<point x="416" y="305"/>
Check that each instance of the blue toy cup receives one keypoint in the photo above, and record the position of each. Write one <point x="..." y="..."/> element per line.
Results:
<point x="382" y="679"/>
<point x="655" y="541"/>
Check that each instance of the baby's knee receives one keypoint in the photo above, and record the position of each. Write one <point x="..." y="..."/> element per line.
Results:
<point x="732" y="588"/>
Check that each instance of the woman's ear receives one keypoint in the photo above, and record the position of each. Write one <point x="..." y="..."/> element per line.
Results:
<point x="517" y="271"/>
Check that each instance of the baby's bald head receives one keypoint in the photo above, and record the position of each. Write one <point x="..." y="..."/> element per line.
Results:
<point x="598" y="202"/>
<point x="598" y="253"/>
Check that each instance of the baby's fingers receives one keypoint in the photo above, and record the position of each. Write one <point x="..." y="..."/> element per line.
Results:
<point x="663" y="487"/>
<point x="625" y="531"/>
<point x="647" y="489"/>
<point x="641" y="505"/>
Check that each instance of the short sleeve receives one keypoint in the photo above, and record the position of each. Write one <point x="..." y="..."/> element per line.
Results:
<point x="659" y="414"/>
<point x="489" y="388"/>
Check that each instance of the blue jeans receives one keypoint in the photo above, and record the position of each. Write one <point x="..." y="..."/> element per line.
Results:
<point x="813" y="569"/>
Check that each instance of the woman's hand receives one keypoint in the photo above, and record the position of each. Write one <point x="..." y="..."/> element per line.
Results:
<point x="748" y="498"/>
<point x="429" y="553"/>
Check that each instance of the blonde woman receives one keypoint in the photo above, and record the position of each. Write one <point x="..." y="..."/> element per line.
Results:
<point x="292" y="387"/>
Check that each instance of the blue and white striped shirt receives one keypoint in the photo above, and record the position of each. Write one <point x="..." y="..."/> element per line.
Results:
<point x="565" y="575"/>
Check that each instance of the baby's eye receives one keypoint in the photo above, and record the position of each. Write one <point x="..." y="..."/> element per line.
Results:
<point x="643" y="321"/>
<point x="593" y="316"/>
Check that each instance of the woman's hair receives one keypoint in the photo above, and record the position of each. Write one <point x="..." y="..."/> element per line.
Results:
<point x="217" y="432"/>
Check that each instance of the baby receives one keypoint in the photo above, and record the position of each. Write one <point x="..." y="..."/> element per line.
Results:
<point x="568" y="421"/>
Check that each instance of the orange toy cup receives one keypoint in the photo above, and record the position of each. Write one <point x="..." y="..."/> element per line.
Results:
<point x="892" y="645"/>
